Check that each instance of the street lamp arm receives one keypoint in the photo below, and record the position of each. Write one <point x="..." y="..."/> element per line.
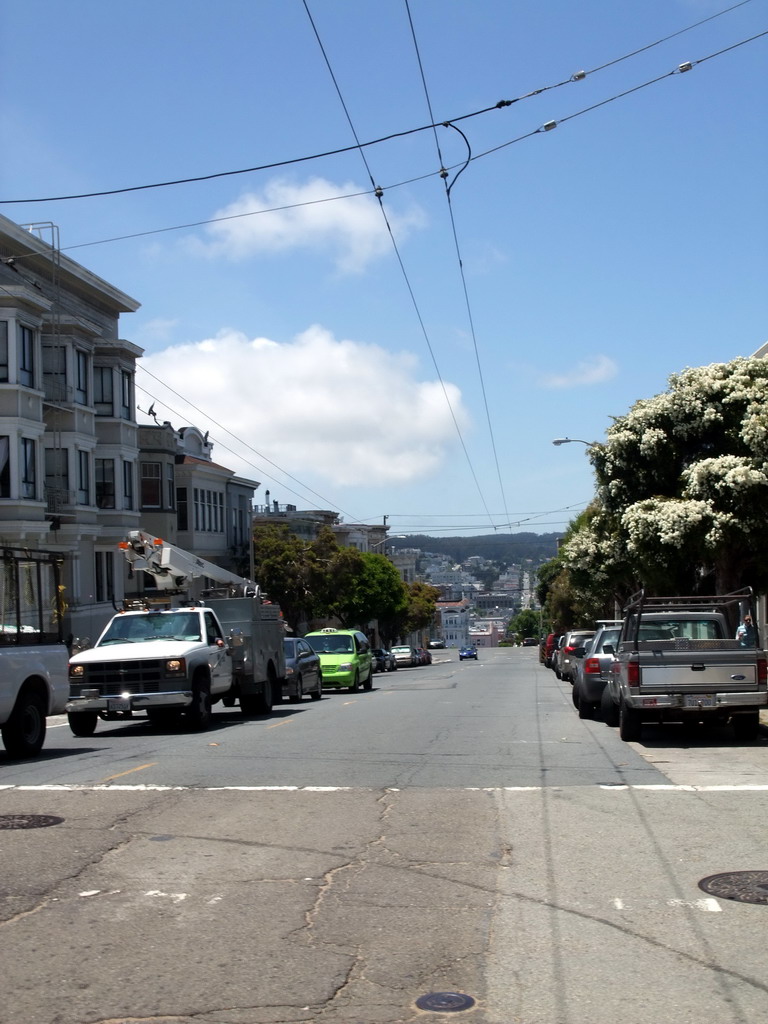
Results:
<point x="577" y="440"/>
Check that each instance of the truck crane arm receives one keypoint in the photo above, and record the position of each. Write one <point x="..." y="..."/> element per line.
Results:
<point x="174" y="569"/>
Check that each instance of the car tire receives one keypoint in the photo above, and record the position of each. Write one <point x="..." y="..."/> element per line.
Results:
<point x="317" y="693"/>
<point x="297" y="697"/>
<point x="355" y="687"/>
<point x="746" y="727"/>
<point x="82" y="723"/>
<point x="630" y="725"/>
<point x="608" y="709"/>
<point x="585" y="707"/>
<point x="24" y="731"/>
<point x="368" y="684"/>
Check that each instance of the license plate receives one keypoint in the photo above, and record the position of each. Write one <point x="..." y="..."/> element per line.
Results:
<point x="119" y="704"/>
<point x="699" y="700"/>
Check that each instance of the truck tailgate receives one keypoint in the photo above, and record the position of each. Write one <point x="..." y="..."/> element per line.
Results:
<point x="670" y="674"/>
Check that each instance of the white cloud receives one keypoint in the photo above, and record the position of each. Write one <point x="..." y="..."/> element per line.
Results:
<point x="597" y="370"/>
<point x="308" y="217"/>
<point x="337" y="411"/>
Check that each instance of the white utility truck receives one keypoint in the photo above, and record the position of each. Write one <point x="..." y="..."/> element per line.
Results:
<point x="179" y="649"/>
<point x="33" y="657"/>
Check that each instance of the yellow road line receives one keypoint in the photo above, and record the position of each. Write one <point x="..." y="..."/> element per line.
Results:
<point x="140" y="768"/>
<point x="288" y="721"/>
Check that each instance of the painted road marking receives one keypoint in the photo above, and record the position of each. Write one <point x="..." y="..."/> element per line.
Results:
<point x="138" y="768"/>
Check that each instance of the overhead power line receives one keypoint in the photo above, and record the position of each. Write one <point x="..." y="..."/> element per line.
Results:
<point x="273" y="165"/>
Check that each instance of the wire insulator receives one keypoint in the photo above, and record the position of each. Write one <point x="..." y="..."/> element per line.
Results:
<point x="579" y="76"/>
<point x="378" y="192"/>
<point x="549" y="126"/>
<point x="685" y="66"/>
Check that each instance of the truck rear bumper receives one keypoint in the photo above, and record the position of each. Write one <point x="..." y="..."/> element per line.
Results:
<point x="689" y="703"/>
<point x="131" y="702"/>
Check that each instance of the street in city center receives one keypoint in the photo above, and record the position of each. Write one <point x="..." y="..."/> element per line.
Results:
<point x="458" y="834"/>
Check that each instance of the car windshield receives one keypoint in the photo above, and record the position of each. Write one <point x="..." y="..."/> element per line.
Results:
<point x="401" y="650"/>
<point x="329" y="643"/>
<point x="131" y="629"/>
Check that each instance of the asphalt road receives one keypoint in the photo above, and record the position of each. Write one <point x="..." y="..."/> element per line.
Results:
<point x="456" y="830"/>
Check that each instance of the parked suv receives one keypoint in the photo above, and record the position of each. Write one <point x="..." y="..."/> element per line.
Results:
<point x="345" y="658"/>
<point x="590" y="673"/>
<point x="572" y="640"/>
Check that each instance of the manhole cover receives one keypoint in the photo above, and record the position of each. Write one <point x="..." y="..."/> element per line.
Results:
<point x="445" y="1002"/>
<point x="9" y="821"/>
<point x="742" y="886"/>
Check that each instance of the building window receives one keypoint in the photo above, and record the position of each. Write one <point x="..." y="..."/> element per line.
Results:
<point x="56" y="479"/>
<point x="151" y="482"/>
<point x="126" y="396"/>
<point x="102" y="391"/>
<point x="105" y="483"/>
<point x="81" y="377"/>
<point x="181" y="508"/>
<point x="4" y="351"/>
<point x="5" y="467"/>
<point x="28" y="475"/>
<point x="127" y="484"/>
<point x="104" y="575"/>
<point x="55" y="372"/>
<point x="83" y="478"/>
<point x="170" y="485"/>
<point x="26" y="356"/>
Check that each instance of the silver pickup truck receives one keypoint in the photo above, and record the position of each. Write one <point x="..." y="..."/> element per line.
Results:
<point x="678" y="659"/>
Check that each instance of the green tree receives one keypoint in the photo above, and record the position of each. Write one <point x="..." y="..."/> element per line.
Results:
<point x="682" y="484"/>
<point x="526" y="623"/>
<point x="281" y="567"/>
<point x="375" y="592"/>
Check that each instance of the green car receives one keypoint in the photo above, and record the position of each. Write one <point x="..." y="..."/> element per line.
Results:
<point x="345" y="658"/>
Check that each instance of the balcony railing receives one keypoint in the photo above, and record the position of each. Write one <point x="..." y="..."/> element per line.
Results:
<point x="58" y="498"/>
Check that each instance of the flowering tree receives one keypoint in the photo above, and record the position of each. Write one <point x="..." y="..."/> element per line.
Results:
<point x="683" y="487"/>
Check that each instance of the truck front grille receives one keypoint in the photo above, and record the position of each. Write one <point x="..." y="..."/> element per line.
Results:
<point x="115" y="677"/>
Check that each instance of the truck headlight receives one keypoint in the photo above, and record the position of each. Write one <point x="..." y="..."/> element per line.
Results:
<point x="76" y="671"/>
<point x="175" y="666"/>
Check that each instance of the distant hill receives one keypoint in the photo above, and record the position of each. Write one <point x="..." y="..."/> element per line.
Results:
<point x="508" y="548"/>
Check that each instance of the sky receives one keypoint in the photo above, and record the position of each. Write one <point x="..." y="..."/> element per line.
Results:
<point x="393" y="286"/>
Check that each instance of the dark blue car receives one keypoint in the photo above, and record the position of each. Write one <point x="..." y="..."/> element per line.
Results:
<point x="467" y="652"/>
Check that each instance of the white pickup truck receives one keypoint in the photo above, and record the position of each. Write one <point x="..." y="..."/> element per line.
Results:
<point x="173" y="653"/>
<point x="33" y="658"/>
<point x="678" y="659"/>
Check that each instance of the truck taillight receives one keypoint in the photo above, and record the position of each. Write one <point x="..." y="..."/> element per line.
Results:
<point x="633" y="674"/>
<point x="762" y="670"/>
<point x="592" y="665"/>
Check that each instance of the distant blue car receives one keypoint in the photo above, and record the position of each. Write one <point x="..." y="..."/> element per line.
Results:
<point x="467" y="652"/>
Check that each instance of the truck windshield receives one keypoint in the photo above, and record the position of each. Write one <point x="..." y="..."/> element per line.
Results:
<point x="131" y="629"/>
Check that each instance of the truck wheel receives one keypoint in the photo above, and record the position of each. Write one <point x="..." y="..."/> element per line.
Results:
<point x="608" y="709"/>
<point x="297" y="697"/>
<point x="24" y="732"/>
<point x="630" y="726"/>
<point x="82" y="723"/>
<point x="198" y="714"/>
<point x="261" y="704"/>
<point x="746" y="727"/>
